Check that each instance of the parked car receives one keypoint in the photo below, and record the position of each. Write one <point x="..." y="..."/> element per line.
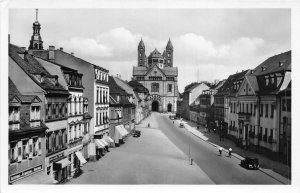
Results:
<point x="250" y="163"/>
<point x="181" y="125"/>
<point x="136" y="133"/>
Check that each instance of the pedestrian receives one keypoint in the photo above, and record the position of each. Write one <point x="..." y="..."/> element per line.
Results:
<point x="229" y="152"/>
<point x="220" y="151"/>
<point x="173" y="122"/>
<point x="148" y="124"/>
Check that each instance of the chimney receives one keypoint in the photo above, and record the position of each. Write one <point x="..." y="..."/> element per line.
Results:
<point x="51" y="53"/>
<point x="61" y="49"/>
<point x="72" y="53"/>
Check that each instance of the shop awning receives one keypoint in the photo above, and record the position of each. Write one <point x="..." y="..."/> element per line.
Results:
<point x="80" y="157"/>
<point x="108" y="139"/>
<point x="99" y="144"/>
<point x="37" y="178"/>
<point x="120" y="131"/>
<point x="61" y="164"/>
<point x="124" y="130"/>
<point x="103" y="141"/>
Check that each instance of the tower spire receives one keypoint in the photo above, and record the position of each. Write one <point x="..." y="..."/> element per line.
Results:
<point x="36" y="14"/>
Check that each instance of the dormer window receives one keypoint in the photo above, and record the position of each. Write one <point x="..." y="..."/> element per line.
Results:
<point x="267" y="80"/>
<point x="252" y="71"/>
<point x="263" y="68"/>
<point x="281" y="63"/>
<point x="272" y="78"/>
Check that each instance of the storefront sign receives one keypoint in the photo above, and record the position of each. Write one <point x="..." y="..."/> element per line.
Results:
<point x="55" y="158"/>
<point x="26" y="173"/>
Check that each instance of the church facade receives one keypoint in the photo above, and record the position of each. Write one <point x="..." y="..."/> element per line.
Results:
<point x="157" y="74"/>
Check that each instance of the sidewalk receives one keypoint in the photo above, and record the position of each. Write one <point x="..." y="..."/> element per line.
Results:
<point x="272" y="168"/>
<point x="142" y="160"/>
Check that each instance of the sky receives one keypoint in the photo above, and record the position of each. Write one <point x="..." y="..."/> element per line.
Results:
<point x="209" y="44"/>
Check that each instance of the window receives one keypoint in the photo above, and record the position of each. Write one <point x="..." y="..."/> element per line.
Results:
<point x="254" y="110"/>
<point x="251" y="109"/>
<point x="169" y="87"/>
<point x="261" y="110"/>
<point x="288" y="105"/>
<point x="25" y="149"/>
<point x="267" y="80"/>
<point x="267" y="110"/>
<point x="155" y="87"/>
<point x="272" y="111"/>
<point x="284" y="106"/>
<point x="246" y="108"/>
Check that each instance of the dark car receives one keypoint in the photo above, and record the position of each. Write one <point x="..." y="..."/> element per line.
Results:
<point x="136" y="133"/>
<point x="250" y="163"/>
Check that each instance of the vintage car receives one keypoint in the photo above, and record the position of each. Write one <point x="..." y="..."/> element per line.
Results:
<point x="250" y="163"/>
<point x="136" y="133"/>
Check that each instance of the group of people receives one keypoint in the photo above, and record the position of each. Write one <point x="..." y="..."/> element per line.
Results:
<point x="229" y="151"/>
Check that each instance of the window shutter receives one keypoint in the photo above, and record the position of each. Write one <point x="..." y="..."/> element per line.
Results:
<point x="40" y="146"/>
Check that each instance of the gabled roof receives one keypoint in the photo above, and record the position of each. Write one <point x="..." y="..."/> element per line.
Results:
<point x="227" y="88"/>
<point x="273" y="64"/>
<point x="114" y="88"/>
<point x="35" y="71"/>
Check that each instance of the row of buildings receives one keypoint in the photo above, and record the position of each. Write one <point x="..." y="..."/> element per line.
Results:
<point x="64" y="111"/>
<point x="252" y="107"/>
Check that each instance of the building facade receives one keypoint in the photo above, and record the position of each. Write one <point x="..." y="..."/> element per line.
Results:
<point x="157" y="74"/>
<point x="26" y="138"/>
<point x="30" y="77"/>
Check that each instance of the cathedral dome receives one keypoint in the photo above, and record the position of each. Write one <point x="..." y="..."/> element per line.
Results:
<point x="155" y="54"/>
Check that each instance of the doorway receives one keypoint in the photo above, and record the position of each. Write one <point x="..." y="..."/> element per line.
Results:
<point x="169" y="107"/>
<point x="155" y="105"/>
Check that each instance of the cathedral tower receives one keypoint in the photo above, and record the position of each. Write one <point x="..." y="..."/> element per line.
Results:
<point x="36" y="42"/>
<point x="169" y="54"/>
<point x="141" y="54"/>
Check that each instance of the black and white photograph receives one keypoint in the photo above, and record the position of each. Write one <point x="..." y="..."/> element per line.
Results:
<point x="103" y="95"/>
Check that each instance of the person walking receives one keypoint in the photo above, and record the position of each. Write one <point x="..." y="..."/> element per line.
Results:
<point x="229" y="152"/>
<point x="220" y="151"/>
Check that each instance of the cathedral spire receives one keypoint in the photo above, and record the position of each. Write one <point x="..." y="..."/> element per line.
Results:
<point x="36" y="42"/>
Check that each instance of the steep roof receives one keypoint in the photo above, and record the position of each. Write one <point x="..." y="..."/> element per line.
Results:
<point x="114" y="88"/>
<point x="227" y="88"/>
<point x="36" y="71"/>
<point x="12" y="89"/>
<point x="138" y="87"/>
<point x="275" y="63"/>
<point x="44" y="54"/>
<point x="141" y="71"/>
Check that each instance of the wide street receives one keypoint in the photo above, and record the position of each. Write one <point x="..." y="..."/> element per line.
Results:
<point x="222" y="170"/>
<point x="160" y="156"/>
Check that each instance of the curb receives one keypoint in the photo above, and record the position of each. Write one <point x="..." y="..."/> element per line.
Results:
<point x="234" y="155"/>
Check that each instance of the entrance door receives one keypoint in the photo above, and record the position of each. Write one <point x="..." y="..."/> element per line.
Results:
<point x="155" y="105"/>
<point x="169" y="108"/>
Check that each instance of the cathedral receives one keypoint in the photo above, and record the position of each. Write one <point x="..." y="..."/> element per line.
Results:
<point x="157" y="74"/>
